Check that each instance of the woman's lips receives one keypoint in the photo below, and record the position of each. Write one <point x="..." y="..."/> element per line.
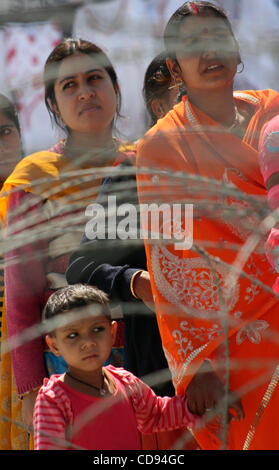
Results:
<point x="213" y="67"/>
<point x="89" y="108"/>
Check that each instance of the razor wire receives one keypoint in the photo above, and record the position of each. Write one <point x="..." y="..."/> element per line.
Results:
<point x="70" y="217"/>
<point x="32" y="229"/>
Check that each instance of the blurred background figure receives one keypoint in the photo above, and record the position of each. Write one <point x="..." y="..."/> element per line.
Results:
<point x="11" y="436"/>
<point x="131" y="33"/>
<point x="10" y="138"/>
<point x="159" y="90"/>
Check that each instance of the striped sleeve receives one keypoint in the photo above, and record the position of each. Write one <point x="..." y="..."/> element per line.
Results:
<point x="50" y="421"/>
<point x="155" y="414"/>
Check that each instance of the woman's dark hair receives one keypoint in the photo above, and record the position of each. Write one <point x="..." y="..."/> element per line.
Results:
<point x="156" y="84"/>
<point x="9" y="110"/>
<point x="157" y="80"/>
<point x="67" y="48"/>
<point x="73" y="297"/>
<point x="189" y="9"/>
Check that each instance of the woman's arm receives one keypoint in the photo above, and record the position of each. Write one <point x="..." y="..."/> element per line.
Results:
<point x="119" y="271"/>
<point x="25" y="284"/>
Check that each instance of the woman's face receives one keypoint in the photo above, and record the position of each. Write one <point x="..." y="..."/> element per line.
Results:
<point x="10" y="146"/>
<point x="85" y="95"/>
<point x="207" y="53"/>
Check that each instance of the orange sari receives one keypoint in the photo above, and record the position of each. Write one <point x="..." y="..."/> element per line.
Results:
<point x="201" y="311"/>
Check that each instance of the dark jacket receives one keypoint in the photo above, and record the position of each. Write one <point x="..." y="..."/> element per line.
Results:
<point x="110" y="265"/>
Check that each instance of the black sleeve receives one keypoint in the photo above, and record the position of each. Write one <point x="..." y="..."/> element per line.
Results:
<point x="108" y="265"/>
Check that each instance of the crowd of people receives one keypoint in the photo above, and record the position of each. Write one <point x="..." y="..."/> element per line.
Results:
<point x="143" y="343"/>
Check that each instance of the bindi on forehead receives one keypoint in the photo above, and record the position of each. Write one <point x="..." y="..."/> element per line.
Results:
<point x="193" y="26"/>
<point x="195" y="9"/>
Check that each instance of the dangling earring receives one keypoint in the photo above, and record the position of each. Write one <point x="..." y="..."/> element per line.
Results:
<point x="177" y="84"/>
<point x="242" y="67"/>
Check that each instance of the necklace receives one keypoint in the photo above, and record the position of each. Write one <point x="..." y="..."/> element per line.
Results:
<point x="101" y="389"/>
<point x="236" y="120"/>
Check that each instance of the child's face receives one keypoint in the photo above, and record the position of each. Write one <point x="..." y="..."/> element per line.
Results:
<point x="85" y="344"/>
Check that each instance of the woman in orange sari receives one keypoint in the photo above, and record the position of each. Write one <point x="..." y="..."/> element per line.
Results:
<point x="43" y="201"/>
<point x="215" y="307"/>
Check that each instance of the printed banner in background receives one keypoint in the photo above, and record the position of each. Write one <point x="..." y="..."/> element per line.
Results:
<point x="130" y="31"/>
<point x="27" y="47"/>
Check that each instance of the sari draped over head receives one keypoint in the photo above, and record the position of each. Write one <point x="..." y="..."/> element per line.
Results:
<point x="53" y="177"/>
<point x="213" y="297"/>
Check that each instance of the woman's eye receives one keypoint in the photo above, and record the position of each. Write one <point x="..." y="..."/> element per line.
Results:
<point x="5" y="131"/>
<point x="68" y="85"/>
<point x="94" y="77"/>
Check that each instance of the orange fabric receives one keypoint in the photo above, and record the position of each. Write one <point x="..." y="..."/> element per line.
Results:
<point x="195" y="321"/>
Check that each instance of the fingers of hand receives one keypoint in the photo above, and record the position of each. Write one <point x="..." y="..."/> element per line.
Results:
<point x="236" y="408"/>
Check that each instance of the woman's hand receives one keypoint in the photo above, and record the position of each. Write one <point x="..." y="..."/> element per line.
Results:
<point x="272" y="248"/>
<point x="28" y="403"/>
<point x="142" y="288"/>
<point x="206" y="391"/>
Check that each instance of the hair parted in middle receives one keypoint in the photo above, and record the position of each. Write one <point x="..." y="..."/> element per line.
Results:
<point x="189" y="9"/>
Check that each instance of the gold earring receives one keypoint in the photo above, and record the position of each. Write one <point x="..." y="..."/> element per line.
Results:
<point x="177" y="84"/>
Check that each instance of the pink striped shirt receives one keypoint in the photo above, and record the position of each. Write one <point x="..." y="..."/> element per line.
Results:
<point x="111" y="423"/>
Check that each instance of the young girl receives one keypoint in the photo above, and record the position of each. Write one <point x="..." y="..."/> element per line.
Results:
<point x="214" y="331"/>
<point x="91" y="406"/>
<point x="48" y="193"/>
